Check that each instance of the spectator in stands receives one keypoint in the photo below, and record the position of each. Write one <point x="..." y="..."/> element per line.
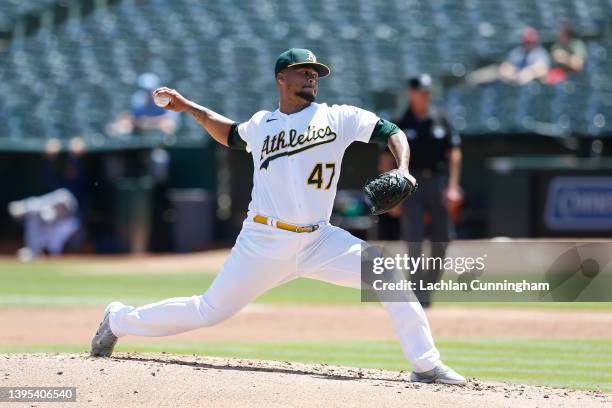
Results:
<point x="144" y="114"/>
<point x="436" y="164"/>
<point x="568" y="55"/>
<point x="525" y="63"/>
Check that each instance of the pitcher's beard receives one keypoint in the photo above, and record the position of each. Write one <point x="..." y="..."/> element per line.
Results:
<point x="306" y="96"/>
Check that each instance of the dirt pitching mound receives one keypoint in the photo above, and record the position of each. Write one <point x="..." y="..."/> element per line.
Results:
<point x="153" y="379"/>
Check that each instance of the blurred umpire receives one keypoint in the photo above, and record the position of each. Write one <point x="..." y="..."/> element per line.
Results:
<point x="436" y="164"/>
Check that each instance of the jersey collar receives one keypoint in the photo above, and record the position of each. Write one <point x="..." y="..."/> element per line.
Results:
<point x="306" y="109"/>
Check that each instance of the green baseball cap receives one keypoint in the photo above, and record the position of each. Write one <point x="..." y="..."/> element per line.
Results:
<point x="300" y="56"/>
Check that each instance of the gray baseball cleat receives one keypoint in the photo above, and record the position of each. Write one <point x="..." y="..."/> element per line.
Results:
<point x="104" y="341"/>
<point x="440" y="374"/>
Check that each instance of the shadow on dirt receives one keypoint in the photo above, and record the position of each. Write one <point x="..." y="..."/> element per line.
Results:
<point x="294" y="369"/>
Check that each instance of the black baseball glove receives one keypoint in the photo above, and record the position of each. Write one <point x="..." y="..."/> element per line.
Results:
<point x="388" y="190"/>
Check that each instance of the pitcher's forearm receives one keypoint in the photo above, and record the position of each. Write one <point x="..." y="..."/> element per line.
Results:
<point x="398" y="144"/>
<point x="217" y="125"/>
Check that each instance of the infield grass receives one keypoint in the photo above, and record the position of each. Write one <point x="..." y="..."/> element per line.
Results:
<point x="567" y="363"/>
<point x="69" y="284"/>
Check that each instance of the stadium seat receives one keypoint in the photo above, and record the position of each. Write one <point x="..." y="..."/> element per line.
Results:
<point x="74" y="79"/>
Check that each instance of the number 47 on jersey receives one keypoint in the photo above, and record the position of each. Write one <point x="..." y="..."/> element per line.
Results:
<point x="318" y="175"/>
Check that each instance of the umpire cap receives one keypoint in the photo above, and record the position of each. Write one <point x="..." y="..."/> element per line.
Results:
<point x="421" y="82"/>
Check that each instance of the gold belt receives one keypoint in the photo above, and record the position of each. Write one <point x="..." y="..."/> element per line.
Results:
<point x="283" y="225"/>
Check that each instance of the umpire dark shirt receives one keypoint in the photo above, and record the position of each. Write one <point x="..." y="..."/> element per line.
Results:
<point x="430" y="139"/>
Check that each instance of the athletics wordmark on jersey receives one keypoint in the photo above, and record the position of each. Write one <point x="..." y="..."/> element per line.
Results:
<point x="280" y="145"/>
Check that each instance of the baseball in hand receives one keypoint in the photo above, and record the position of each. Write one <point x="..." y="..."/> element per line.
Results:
<point x="161" y="101"/>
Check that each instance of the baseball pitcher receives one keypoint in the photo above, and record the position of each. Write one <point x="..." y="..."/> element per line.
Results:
<point x="297" y="152"/>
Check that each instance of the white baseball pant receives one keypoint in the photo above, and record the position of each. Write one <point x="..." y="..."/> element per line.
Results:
<point x="263" y="258"/>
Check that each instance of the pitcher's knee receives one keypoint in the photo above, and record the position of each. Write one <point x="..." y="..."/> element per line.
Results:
<point x="211" y="314"/>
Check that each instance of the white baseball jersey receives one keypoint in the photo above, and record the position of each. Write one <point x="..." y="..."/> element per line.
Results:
<point x="297" y="158"/>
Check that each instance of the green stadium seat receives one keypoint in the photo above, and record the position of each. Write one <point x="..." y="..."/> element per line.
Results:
<point x="221" y="53"/>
